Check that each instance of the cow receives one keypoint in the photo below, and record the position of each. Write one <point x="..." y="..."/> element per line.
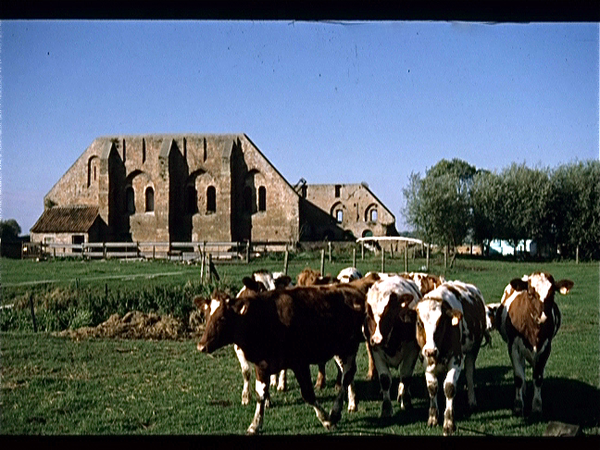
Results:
<point x="451" y="325"/>
<point x="311" y="277"/>
<point x="528" y="319"/>
<point x="425" y="281"/>
<point x="261" y="280"/>
<point x="391" y="336"/>
<point x="289" y="328"/>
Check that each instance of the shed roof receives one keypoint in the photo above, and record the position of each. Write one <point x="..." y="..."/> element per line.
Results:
<point x="65" y="219"/>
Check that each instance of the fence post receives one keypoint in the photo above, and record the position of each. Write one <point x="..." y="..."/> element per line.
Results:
<point x="329" y="251"/>
<point x="427" y="257"/>
<point x="248" y="251"/>
<point x="285" y="261"/>
<point x="362" y="250"/>
<point x="208" y="268"/>
<point x="406" y="258"/>
<point x="382" y="260"/>
<point x="354" y="257"/>
<point x="322" y="261"/>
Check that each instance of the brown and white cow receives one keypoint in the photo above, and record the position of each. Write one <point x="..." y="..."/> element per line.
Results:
<point x="391" y="335"/>
<point x="289" y="328"/>
<point x="425" y="281"/>
<point x="261" y="280"/>
<point x="527" y="319"/>
<point x="451" y="324"/>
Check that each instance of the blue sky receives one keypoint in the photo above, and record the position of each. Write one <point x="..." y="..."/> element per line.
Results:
<point x="328" y="102"/>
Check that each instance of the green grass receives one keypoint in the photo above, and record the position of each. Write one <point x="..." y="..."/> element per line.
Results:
<point x="53" y="385"/>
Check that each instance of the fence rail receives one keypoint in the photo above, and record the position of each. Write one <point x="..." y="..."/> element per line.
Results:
<point x="184" y="251"/>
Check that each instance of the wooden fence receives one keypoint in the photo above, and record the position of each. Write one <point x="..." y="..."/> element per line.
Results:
<point x="182" y="251"/>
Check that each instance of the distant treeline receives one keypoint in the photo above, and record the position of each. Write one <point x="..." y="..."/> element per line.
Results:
<point x="559" y="208"/>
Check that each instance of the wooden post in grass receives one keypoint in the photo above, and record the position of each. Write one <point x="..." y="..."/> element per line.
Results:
<point x="382" y="260"/>
<point x="406" y="258"/>
<point x="354" y="257"/>
<point x="329" y="251"/>
<point x="32" y="313"/>
<point x="322" y="261"/>
<point x="285" y="261"/>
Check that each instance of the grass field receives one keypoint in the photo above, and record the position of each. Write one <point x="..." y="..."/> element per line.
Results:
<point x="52" y="385"/>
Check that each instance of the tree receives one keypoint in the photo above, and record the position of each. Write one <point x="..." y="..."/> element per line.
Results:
<point x="486" y="207"/>
<point x="524" y="194"/>
<point x="574" y="208"/>
<point x="437" y="206"/>
<point x="10" y="230"/>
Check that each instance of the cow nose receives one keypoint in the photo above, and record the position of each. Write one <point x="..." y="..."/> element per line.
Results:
<point x="375" y="340"/>
<point x="430" y="352"/>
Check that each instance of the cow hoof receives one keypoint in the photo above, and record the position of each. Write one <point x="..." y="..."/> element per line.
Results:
<point x="251" y="431"/>
<point x="432" y="422"/>
<point x="335" y="417"/>
<point x="518" y="409"/>
<point x="386" y="409"/>
<point x="449" y="429"/>
<point x="352" y="408"/>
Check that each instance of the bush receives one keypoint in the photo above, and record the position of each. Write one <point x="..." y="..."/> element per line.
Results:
<point x="58" y="309"/>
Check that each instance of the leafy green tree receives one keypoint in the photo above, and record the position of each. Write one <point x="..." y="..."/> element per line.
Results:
<point x="486" y="207"/>
<point x="524" y="193"/>
<point x="574" y="208"/>
<point x="438" y="206"/>
<point x="10" y="230"/>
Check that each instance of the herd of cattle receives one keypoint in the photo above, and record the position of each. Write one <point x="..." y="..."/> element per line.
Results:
<point x="276" y="325"/>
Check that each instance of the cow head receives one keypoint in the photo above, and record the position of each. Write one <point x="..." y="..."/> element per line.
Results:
<point x="437" y="328"/>
<point x="540" y="288"/>
<point x="221" y="312"/>
<point x="426" y="281"/>
<point x="386" y="303"/>
<point x="348" y="274"/>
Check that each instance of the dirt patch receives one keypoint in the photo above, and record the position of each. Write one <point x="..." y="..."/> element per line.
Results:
<point x="138" y="325"/>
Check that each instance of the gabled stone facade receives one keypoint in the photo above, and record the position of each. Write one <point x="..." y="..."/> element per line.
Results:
<point x="216" y="188"/>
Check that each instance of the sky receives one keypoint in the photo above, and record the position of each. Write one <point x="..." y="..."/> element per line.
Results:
<point x="330" y="102"/>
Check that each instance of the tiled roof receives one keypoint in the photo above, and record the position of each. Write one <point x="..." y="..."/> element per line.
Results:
<point x="65" y="219"/>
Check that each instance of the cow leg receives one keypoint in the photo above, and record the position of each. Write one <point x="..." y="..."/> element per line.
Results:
<point x="246" y="373"/>
<point x="538" y="378"/>
<point x="407" y="367"/>
<point x="320" y="384"/>
<point x="348" y="365"/>
<point x="308" y="394"/>
<point x="385" y="382"/>
<point x="372" y="371"/>
<point x="518" y="362"/>
<point x="432" y="389"/>
<point x="450" y="383"/>
<point x="282" y="381"/>
<point x="470" y="375"/>
<point x="351" y="393"/>
<point x="262" y="393"/>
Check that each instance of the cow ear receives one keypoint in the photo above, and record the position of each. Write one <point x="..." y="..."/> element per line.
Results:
<point x="282" y="282"/>
<point x="518" y="284"/>
<point x="251" y="284"/>
<point x="456" y="315"/>
<point x="200" y="302"/>
<point x="564" y="286"/>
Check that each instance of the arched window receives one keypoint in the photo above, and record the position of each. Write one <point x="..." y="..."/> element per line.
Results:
<point x="191" y="199"/>
<point x="211" y="199"/>
<point x="262" y="198"/>
<point x="130" y="200"/>
<point x="373" y="215"/>
<point x="149" y="199"/>
<point x="339" y="215"/>
<point x="247" y="199"/>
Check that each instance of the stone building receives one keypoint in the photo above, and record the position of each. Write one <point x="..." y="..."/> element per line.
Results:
<point x="195" y="188"/>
